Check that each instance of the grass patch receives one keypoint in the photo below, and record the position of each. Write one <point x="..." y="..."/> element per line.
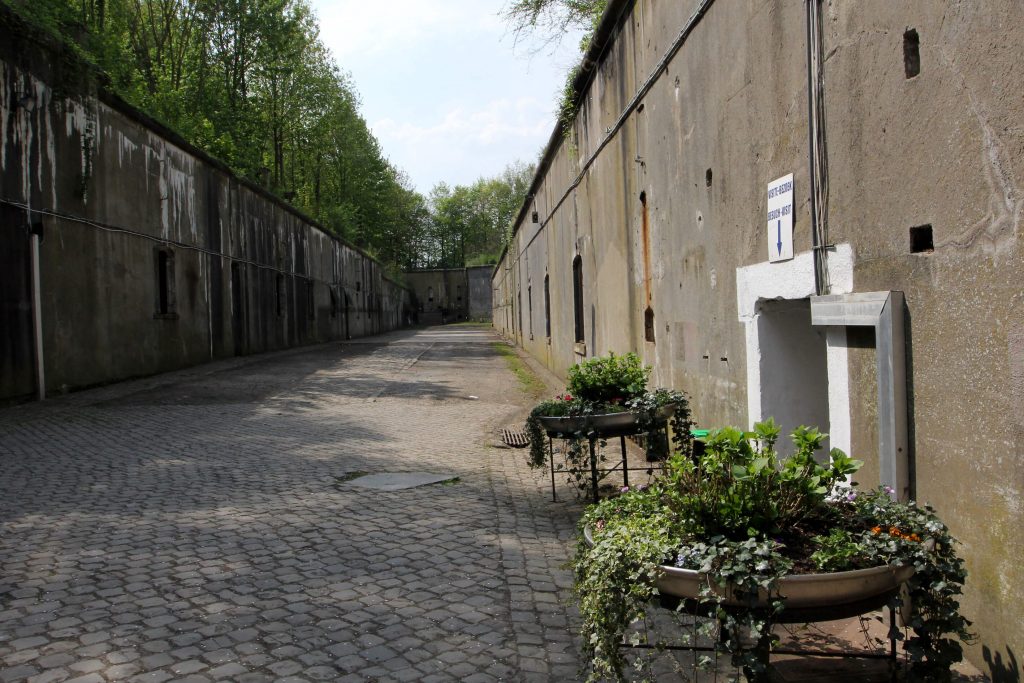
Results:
<point x="530" y="384"/>
<point x="470" y="323"/>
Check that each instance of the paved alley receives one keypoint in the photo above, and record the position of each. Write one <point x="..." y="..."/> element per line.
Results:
<point x="202" y="525"/>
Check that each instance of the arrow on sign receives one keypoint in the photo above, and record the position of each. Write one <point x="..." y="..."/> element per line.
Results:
<point x="779" y="243"/>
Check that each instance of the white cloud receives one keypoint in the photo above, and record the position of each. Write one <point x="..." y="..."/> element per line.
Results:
<point x="447" y="92"/>
<point x="357" y="27"/>
<point x="496" y="121"/>
<point x="465" y="143"/>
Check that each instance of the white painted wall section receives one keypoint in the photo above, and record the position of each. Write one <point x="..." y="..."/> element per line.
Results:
<point x="795" y="280"/>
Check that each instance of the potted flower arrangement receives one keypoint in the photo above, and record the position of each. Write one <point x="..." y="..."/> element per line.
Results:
<point x="751" y="540"/>
<point x="607" y="396"/>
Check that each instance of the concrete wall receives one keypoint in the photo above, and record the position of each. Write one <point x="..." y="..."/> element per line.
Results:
<point x="108" y="190"/>
<point x="442" y="294"/>
<point x="660" y="191"/>
<point x="479" y="283"/>
<point x="462" y="293"/>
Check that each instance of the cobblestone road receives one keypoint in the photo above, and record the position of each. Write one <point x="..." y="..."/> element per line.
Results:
<point x="200" y="526"/>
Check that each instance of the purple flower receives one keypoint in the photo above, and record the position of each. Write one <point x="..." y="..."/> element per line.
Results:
<point x="888" y="489"/>
<point x="641" y="487"/>
<point x="851" y="496"/>
<point x="624" y="489"/>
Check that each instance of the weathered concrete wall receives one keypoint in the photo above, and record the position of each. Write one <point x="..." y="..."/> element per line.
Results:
<point x="661" y="195"/>
<point x="462" y="293"/>
<point x="441" y="294"/>
<point x="109" y="190"/>
<point x="479" y="285"/>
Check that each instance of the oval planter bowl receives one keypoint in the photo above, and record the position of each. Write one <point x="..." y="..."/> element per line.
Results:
<point x="606" y="424"/>
<point x="805" y="597"/>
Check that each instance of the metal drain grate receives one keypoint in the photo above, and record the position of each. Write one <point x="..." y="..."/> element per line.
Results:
<point x="515" y="438"/>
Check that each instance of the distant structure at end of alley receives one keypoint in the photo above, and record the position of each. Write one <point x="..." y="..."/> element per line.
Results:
<point x="811" y="211"/>
<point x="445" y="295"/>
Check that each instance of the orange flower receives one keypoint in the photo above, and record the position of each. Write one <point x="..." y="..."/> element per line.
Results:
<point x="893" y="531"/>
<point x="876" y="529"/>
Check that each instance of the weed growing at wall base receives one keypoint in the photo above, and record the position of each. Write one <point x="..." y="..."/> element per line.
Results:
<point x="530" y="384"/>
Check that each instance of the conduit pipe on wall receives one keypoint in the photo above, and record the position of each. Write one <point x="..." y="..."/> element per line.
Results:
<point x="555" y="141"/>
<point x="817" y="149"/>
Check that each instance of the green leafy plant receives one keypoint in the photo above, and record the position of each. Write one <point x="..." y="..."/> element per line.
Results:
<point x="609" y="379"/>
<point x="745" y="519"/>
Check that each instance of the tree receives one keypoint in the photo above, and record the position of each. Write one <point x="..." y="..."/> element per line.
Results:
<point x="552" y="18"/>
<point x="250" y="82"/>
<point x="471" y="223"/>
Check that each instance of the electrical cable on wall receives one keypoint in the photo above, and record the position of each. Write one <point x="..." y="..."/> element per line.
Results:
<point x="158" y="240"/>
<point x="660" y="68"/>
<point x="817" y="147"/>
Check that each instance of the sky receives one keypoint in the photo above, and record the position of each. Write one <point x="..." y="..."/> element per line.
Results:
<point x="444" y="87"/>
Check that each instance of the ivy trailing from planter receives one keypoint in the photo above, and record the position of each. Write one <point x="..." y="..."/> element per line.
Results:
<point x="648" y="406"/>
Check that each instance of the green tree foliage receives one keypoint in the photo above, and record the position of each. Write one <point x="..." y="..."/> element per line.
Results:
<point x="471" y="223"/>
<point x="550" y="19"/>
<point x="250" y="82"/>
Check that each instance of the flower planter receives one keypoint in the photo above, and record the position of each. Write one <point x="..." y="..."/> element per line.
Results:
<point x="805" y="597"/>
<point x="606" y="424"/>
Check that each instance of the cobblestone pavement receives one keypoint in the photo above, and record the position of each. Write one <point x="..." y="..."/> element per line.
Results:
<point x="200" y="525"/>
<point x="203" y="526"/>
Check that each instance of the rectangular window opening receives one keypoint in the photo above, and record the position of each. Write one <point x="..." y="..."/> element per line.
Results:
<point x="279" y="294"/>
<point x="577" y="291"/>
<point x="311" y="298"/>
<point x="921" y="240"/>
<point x="911" y="53"/>
<point x="547" y="308"/>
<point x="529" y="303"/>
<point x="649" y="324"/>
<point x="166" y="298"/>
<point x="519" y="300"/>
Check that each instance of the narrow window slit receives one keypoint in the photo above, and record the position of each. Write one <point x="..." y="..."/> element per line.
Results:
<point x="911" y="53"/>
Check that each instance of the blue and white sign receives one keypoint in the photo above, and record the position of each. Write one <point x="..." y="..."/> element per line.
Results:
<point x="780" y="219"/>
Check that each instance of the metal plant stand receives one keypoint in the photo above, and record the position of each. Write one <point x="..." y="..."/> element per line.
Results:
<point x="691" y="614"/>
<point x="598" y="430"/>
